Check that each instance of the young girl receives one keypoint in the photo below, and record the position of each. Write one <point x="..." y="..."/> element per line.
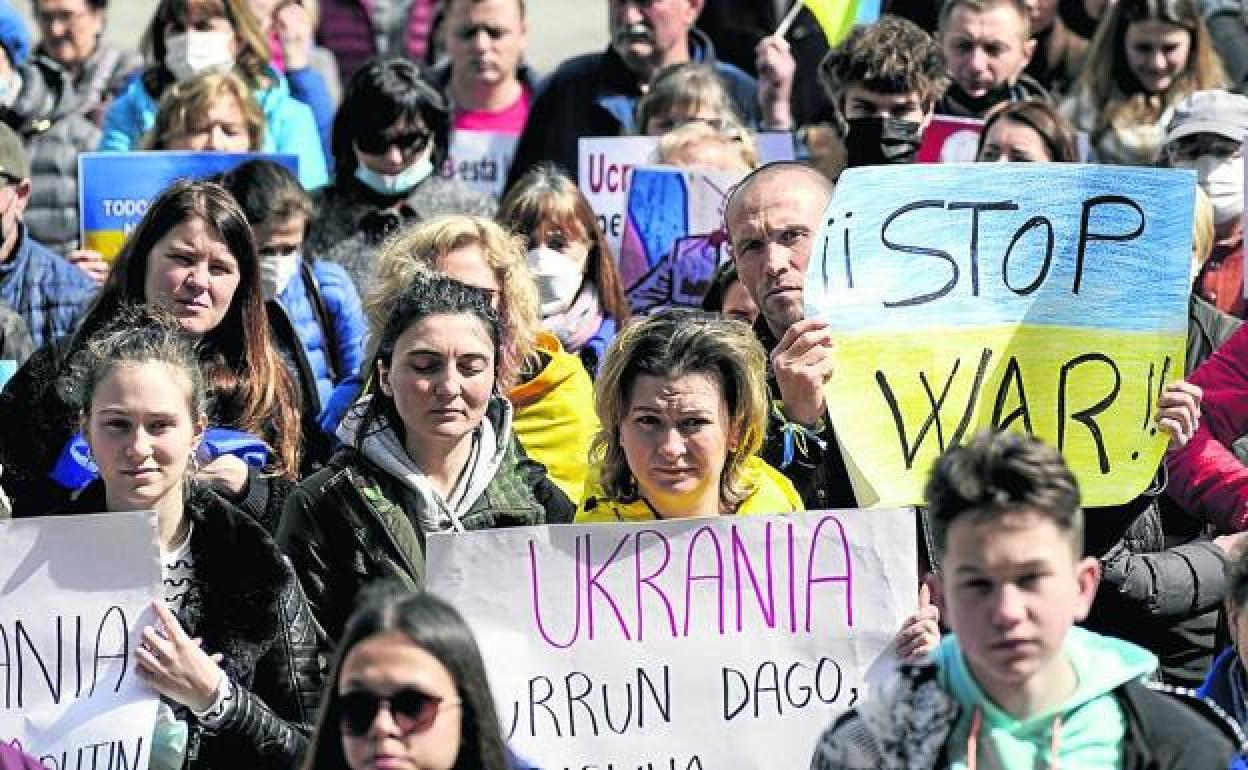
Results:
<point x="1146" y="56"/>
<point x="233" y="656"/>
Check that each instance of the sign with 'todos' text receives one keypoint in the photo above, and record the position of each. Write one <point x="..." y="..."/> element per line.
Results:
<point x="75" y="595"/>
<point x="1046" y="298"/>
<point x="728" y="642"/>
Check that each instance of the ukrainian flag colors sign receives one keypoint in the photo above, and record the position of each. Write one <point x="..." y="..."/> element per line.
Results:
<point x="115" y="188"/>
<point x="1047" y="298"/>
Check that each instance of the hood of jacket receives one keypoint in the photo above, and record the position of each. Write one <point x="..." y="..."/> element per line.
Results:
<point x="383" y="447"/>
<point x="1091" y="726"/>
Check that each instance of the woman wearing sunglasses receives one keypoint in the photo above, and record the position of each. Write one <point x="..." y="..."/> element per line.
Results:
<point x="408" y="690"/>
<point x="390" y="140"/>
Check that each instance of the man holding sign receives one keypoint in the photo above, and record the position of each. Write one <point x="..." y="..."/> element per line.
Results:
<point x="772" y="217"/>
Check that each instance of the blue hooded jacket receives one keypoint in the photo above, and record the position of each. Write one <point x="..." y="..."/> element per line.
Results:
<point x="289" y="126"/>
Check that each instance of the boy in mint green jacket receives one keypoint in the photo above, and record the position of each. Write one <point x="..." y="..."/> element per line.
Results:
<point x="1016" y="685"/>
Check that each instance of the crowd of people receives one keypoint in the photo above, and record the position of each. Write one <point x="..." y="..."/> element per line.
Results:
<point x="305" y="373"/>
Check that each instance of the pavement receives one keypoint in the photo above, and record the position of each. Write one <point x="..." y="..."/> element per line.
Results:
<point x="557" y="28"/>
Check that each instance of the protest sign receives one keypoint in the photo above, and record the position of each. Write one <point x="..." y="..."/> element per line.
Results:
<point x="728" y="642"/>
<point x="115" y="188"/>
<point x="480" y="159"/>
<point x="605" y="167"/>
<point x="1047" y="298"/>
<point x="74" y="598"/>
<point x="674" y="238"/>
<point x="949" y="139"/>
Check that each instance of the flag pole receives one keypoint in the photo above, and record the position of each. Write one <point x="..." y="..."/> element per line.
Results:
<point x="787" y="22"/>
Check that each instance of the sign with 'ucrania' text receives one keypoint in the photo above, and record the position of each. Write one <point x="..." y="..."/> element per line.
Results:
<point x="74" y="599"/>
<point x="1049" y="298"/>
<point x="728" y="642"/>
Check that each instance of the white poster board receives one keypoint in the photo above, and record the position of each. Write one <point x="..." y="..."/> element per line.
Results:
<point x="75" y="595"/>
<point x="706" y="643"/>
<point x="480" y="159"/>
<point x="605" y="168"/>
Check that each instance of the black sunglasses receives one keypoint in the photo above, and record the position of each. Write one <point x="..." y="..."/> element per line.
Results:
<point x="408" y="141"/>
<point x="413" y="711"/>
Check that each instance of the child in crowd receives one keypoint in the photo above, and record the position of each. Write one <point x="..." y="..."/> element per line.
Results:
<point x="1016" y="685"/>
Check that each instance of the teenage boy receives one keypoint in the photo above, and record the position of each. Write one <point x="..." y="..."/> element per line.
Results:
<point x="1016" y="685"/>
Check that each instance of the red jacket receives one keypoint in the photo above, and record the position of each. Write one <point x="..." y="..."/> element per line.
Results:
<point x="1221" y="281"/>
<point x="1206" y="477"/>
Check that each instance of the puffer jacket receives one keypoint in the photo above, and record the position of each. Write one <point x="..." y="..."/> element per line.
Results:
<point x="48" y="118"/>
<point x="49" y="293"/>
<point x="353" y="523"/>
<point x="289" y="126"/>
<point x="15" y="344"/>
<point x="333" y="329"/>
<point x="353" y="220"/>
<point x="245" y="604"/>
<point x="101" y="79"/>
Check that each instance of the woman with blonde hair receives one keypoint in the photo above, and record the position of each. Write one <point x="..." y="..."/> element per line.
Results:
<point x="690" y="92"/>
<point x="212" y="111"/>
<point x="1146" y="56"/>
<point x="697" y="145"/>
<point x="547" y="386"/>
<point x="582" y="300"/>
<point x="682" y="397"/>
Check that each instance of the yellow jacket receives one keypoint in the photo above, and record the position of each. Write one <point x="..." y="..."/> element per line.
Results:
<point x="770" y="492"/>
<point x="554" y="416"/>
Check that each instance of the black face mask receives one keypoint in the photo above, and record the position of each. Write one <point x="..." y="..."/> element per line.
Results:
<point x="978" y="106"/>
<point x="881" y="141"/>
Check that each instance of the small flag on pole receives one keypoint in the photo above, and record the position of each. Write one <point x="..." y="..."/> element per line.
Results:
<point x="835" y="17"/>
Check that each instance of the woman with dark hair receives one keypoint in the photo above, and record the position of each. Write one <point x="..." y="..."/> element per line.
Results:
<point x="582" y="301"/>
<point x="187" y="37"/>
<point x="1146" y="56"/>
<point x="194" y="254"/>
<point x="408" y="683"/>
<point x="1027" y="131"/>
<point x="728" y="296"/>
<point x="390" y="138"/>
<point x="232" y="652"/>
<point x="429" y="447"/>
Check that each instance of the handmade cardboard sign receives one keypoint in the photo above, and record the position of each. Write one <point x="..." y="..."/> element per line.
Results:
<point x="674" y="238"/>
<point x="1047" y="298"/>
<point x="115" y="188"/>
<point x="74" y="598"/>
<point x="729" y="642"/>
<point x="606" y="167"/>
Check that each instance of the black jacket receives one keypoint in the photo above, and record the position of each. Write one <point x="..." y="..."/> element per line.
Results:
<point x="245" y="604"/>
<point x="349" y="525"/>
<point x="596" y="95"/>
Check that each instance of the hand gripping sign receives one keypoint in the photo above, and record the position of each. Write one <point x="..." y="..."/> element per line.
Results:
<point x="1047" y="298"/>
<point x="728" y="642"/>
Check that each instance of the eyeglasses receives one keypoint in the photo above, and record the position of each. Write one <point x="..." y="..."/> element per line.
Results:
<point x="470" y="31"/>
<point x="48" y="18"/>
<point x="408" y="141"/>
<point x="413" y="711"/>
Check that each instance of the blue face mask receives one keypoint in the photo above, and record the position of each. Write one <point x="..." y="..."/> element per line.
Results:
<point x="395" y="184"/>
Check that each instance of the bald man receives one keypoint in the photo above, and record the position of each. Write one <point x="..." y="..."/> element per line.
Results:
<point x="772" y="219"/>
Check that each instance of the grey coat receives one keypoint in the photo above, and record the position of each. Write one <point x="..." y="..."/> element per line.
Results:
<point x="47" y="115"/>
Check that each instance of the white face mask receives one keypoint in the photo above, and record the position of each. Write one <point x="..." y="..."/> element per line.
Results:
<point x="1223" y="182"/>
<point x="196" y="51"/>
<point x="395" y="184"/>
<point x="276" y="270"/>
<point x="558" y="279"/>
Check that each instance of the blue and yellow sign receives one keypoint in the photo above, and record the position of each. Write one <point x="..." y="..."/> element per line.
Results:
<point x="115" y="188"/>
<point x="1047" y="298"/>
